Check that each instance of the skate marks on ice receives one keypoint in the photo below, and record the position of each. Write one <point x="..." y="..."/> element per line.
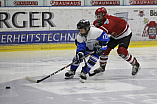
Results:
<point x="90" y="86"/>
<point x="120" y="99"/>
<point x="149" y="98"/>
<point x="110" y="88"/>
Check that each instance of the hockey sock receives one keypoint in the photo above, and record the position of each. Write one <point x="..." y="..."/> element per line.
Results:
<point x="91" y="62"/>
<point x="123" y="52"/>
<point x="104" y="57"/>
<point x="74" y="66"/>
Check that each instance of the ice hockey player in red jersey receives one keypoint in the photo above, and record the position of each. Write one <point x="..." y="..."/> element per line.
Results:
<point x="120" y="35"/>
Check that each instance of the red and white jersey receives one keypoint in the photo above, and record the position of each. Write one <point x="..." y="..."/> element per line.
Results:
<point x="115" y="26"/>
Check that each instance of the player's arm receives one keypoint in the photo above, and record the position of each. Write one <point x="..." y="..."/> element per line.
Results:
<point x="97" y="23"/>
<point x="102" y="45"/>
<point x="108" y="26"/>
<point x="80" y="51"/>
<point x="103" y="39"/>
<point x="81" y="47"/>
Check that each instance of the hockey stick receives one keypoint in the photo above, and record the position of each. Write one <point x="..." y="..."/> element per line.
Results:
<point x="90" y="74"/>
<point x="38" y="81"/>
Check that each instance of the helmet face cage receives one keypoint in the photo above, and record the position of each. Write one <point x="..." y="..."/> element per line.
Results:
<point x="83" y="24"/>
<point x="100" y="15"/>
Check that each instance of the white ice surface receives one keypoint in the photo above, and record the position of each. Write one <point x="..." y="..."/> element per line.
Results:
<point x="115" y="86"/>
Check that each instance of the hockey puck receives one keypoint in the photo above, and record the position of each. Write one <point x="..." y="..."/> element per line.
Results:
<point x="7" y="87"/>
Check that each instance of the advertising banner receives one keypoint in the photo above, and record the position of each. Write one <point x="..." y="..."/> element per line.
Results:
<point x="65" y="2"/>
<point x="24" y="37"/>
<point x="140" y="2"/>
<point x="25" y="3"/>
<point x="104" y="2"/>
<point x="45" y="18"/>
<point x="26" y="19"/>
<point x="142" y="19"/>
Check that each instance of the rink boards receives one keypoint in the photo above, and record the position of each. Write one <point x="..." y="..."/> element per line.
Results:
<point x="37" y="40"/>
<point x="53" y="28"/>
<point x="48" y="40"/>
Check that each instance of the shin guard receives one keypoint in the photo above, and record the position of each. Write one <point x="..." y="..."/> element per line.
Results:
<point x="123" y="52"/>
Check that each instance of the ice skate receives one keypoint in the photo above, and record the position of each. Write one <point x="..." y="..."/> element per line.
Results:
<point x="135" y="69"/>
<point x="83" y="77"/>
<point x="70" y="74"/>
<point x="99" y="70"/>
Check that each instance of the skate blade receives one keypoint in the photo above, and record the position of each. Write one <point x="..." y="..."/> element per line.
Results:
<point x="99" y="74"/>
<point x="137" y="72"/>
<point x="69" y="77"/>
<point x="82" y="80"/>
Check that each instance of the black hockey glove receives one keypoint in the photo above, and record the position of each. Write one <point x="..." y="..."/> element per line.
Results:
<point x="79" y="56"/>
<point x="98" y="50"/>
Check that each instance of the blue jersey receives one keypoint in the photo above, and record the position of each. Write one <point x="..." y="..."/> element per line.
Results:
<point x="94" y="37"/>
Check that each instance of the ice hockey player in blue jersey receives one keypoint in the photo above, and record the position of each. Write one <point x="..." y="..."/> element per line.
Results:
<point x="89" y="39"/>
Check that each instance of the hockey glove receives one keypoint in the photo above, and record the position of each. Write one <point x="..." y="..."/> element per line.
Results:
<point x="98" y="50"/>
<point x="79" y="56"/>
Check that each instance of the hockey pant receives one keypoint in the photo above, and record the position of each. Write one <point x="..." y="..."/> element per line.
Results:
<point x="122" y="52"/>
<point x="90" y="63"/>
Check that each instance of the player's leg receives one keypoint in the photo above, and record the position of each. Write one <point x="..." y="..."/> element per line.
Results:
<point x="123" y="52"/>
<point x="103" y="61"/>
<point x="90" y="63"/>
<point x="104" y="57"/>
<point x="70" y="73"/>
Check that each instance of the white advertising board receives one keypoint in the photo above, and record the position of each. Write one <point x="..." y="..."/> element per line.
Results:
<point x="1" y="3"/>
<point x="45" y="18"/>
<point x="142" y="19"/>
